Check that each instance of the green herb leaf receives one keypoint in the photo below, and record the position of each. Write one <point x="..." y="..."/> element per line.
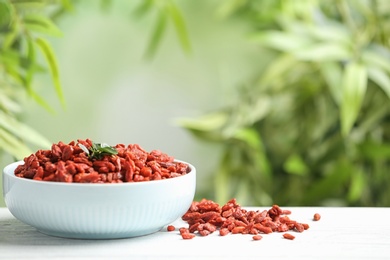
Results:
<point x="98" y="150"/>
<point x="85" y="149"/>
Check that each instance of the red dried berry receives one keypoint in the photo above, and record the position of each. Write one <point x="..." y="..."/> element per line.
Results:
<point x="206" y="216"/>
<point x="288" y="236"/>
<point x="187" y="235"/>
<point x="257" y="237"/>
<point x="316" y="217"/>
<point x="171" y="228"/>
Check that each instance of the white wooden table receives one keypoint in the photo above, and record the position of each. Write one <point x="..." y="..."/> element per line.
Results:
<point x="342" y="233"/>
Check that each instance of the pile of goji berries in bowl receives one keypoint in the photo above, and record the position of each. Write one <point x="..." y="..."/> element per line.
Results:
<point x="91" y="190"/>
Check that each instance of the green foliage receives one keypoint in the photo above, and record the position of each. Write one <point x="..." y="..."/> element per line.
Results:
<point x="23" y="26"/>
<point x="25" y="51"/>
<point x="165" y="10"/>
<point x="313" y="127"/>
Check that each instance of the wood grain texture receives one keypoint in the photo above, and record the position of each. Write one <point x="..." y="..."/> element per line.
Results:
<point x="341" y="233"/>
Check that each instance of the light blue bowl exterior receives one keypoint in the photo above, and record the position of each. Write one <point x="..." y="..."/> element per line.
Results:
<point x="98" y="211"/>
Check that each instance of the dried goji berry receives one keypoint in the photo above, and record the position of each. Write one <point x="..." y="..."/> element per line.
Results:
<point x="130" y="164"/>
<point x="170" y="228"/>
<point x="206" y="217"/>
<point x="224" y="231"/>
<point x="316" y="217"/>
<point x="187" y="235"/>
<point x="288" y="236"/>
<point x="257" y="237"/>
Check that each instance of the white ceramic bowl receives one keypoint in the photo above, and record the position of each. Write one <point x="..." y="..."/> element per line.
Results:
<point x="98" y="211"/>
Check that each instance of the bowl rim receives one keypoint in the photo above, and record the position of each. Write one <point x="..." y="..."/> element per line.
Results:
<point x="7" y="172"/>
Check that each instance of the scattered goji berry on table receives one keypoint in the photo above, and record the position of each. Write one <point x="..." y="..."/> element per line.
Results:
<point x="171" y="228"/>
<point x="288" y="236"/>
<point x="316" y="217"/>
<point x="257" y="237"/>
<point x="204" y="217"/>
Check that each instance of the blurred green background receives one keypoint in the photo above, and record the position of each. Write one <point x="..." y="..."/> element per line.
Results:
<point x="273" y="101"/>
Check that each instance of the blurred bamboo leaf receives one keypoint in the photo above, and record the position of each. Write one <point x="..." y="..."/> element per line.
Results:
<point x="354" y="84"/>
<point x="331" y="33"/>
<point x="22" y="131"/>
<point x="157" y="34"/>
<point x="295" y="165"/>
<point x="166" y="9"/>
<point x="229" y="7"/>
<point x="322" y="52"/>
<point x="208" y="122"/>
<point x="374" y="150"/>
<point x="258" y="109"/>
<point x="29" y="3"/>
<point x="41" y="24"/>
<point x="252" y="139"/>
<point x="332" y="73"/>
<point x="381" y="78"/>
<point x="13" y="72"/>
<point x="15" y="147"/>
<point x="5" y="15"/>
<point x="9" y="58"/>
<point x="31" y="68"/>
<point x="143" y="8"/>
<point x="40" y="101"/>
<point x="356" y="186"/>
<point x="208" y="127"/>
<point x="221" y="180"/>
<point x="105" y="4"/>
<point x="281" y="41"/>
<point x="180" y="27"/>
<point x="49" y="55"/>
<point x="277" y="68"/>
<point x="11" y="35"/>
<point x="378" y="57"/>
<point x="9" y="105"/>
